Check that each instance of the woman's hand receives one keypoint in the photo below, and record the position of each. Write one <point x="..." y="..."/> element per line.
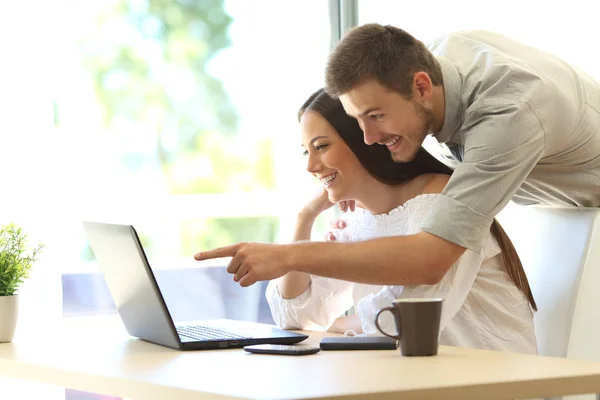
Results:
<point x="346" y="323"/>
<point x="335" y="224"/>
<point x="346" y="205"/>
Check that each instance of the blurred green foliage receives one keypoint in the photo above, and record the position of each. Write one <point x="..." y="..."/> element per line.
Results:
<point x="148" y="60"/>
<point x="17" y="258"/>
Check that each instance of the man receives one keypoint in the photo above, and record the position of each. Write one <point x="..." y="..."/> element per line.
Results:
<point x="521" y="123"/>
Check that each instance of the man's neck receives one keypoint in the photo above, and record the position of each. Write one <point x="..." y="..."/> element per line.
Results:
<point x="439" y="108"/>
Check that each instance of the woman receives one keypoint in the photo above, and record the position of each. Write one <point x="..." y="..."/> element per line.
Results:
<point x="487" y="300"/>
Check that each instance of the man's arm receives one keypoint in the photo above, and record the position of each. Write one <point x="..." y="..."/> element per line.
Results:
<point x="502" y="144"/>
<point x="416" y="259"/>
<point x="431" y="256"/>
<point x="421" y="258"/>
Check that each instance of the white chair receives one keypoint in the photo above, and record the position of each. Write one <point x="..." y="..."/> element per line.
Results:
<point x="560" y="251"/>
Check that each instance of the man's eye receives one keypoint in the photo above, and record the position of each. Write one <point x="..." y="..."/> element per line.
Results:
<point x="377" y="117"/>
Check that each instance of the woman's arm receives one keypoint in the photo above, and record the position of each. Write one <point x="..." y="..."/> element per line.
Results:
<point x="298" y="300"/>
<point x="345" y="324"/>
<point x="293" y="284"/>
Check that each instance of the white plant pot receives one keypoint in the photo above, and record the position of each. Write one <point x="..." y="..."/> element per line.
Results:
<point x="9" y="311"/>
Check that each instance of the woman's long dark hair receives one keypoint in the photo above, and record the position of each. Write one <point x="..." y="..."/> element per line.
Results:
<point x="376" y="159"/>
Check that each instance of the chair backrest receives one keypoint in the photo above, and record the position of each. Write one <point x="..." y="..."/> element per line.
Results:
<point x="560" y="251"/>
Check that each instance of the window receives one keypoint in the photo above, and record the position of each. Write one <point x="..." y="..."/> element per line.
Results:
<point x="188" y="131"/>
<point x="178" y="117"/>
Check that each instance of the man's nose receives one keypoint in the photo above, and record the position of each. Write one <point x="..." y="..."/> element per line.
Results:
<point x="370" y="134"/>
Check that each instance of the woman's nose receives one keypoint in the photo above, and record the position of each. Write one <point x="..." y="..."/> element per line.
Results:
<point x="313" y="164"/>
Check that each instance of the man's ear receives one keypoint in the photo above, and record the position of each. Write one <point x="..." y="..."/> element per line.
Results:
<point x="422" y="86"/>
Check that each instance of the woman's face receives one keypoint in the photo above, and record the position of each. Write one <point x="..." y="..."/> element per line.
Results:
<point x="330" y="159"/>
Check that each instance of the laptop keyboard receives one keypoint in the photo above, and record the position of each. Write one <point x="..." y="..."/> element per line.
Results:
<point x="200" y="332"/>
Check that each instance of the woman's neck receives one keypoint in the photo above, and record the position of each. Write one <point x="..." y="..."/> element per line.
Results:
<point x="381" y="198"/>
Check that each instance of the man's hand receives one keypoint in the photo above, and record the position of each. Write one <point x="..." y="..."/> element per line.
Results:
<point x="251" y="262"/>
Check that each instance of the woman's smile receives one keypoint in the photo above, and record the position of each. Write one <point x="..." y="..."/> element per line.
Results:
<point x="328" y="180"/>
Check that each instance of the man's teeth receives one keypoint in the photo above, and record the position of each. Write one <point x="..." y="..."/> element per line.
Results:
<point x="392" y="142"/>
<point x="328" y="178"/>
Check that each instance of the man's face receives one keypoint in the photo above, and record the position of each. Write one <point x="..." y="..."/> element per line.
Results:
<point x="388" y="119"/>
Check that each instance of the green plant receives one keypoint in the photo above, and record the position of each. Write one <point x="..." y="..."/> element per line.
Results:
<point x="16" y="259"/>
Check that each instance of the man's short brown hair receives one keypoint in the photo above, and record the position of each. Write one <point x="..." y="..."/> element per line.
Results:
<point x="385" y="53"/>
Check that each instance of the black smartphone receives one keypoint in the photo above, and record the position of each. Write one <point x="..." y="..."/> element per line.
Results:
<point x="288" y="350"/>
<point x="359" y="343"/>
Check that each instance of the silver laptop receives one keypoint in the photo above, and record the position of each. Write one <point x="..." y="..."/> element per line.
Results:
<point x="141" y="305"/>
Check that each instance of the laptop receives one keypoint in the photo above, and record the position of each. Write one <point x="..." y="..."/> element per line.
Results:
<point x="142" y="308"/>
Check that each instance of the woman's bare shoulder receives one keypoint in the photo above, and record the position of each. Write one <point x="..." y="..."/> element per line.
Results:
<point x="433" y="183"/>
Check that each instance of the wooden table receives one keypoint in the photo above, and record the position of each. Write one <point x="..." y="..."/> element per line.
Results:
<point x="96" y="355"/>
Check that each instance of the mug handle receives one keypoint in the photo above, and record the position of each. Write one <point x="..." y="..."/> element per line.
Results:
<point x="393" y="311"/>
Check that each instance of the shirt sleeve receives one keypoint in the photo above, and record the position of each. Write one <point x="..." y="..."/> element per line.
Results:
<point x="502" y="144"/>
<point x="316" y="309"/>
<point x="453" y="288"/>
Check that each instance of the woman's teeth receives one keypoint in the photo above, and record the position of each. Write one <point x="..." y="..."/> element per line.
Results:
<point x="327" y="180"/>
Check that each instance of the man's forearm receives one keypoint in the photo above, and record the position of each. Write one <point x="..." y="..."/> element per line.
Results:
<point x="401" y="260"/>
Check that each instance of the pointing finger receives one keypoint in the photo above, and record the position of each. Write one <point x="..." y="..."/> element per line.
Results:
<point x="227" y="251"/>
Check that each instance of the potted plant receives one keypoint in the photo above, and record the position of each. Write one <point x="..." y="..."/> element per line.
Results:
<point x="16" y="260"/>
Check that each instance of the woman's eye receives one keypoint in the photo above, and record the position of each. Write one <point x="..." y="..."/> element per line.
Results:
<point x="377" y="116"/>
<point x="320" y="146"/>
<point x="305" y="153"/>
